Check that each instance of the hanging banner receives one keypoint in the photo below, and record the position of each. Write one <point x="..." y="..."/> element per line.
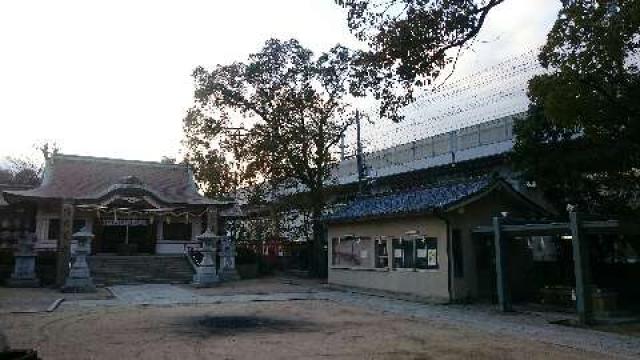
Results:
<point x="124" y="222"/>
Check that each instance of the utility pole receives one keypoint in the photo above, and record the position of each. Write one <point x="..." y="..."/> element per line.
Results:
<point x="237" y="133"/>
<point x="359" y="156"/>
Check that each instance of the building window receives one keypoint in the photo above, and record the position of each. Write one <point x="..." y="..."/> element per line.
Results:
<point x="415" y="253"/>
<point x="403" y="254"/>
<point x="426" y="253"/>
<point x="353" y="251"/>
<point x="382" y="253"/>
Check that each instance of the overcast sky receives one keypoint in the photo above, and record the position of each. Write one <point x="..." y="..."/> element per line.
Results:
<point x="112" y="78"/>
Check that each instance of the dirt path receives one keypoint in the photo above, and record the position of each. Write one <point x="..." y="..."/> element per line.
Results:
<point x="273" y="330"/>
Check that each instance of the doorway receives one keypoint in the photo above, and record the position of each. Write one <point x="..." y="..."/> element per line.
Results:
<point x="126" y="239"/>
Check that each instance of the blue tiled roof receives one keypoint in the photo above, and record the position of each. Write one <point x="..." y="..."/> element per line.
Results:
<point x="407" y="202"/>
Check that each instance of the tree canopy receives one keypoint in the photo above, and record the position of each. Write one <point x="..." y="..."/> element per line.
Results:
<point x="410" y="43"/>
<point x="279" y="115"/>
<point x="581" y="140"/>
<point x="274" y="120"/>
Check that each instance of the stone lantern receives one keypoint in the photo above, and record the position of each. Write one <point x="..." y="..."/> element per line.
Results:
<point x="206" y="274"/>
<point x="24" y="270"/>
<point x="228" y="259"/>
<point x="79" y="279"/>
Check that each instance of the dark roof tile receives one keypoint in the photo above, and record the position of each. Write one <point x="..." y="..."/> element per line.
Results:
<point x="408" y="202"/>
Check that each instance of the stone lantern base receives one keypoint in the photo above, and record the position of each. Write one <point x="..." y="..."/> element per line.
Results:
<point x="23" y="283"/>
<point x="78" y="286"/>
<point x="229" y="275"/>
<point x="24" y="274"/>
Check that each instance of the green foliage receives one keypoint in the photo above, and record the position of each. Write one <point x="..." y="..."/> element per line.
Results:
<point x="273" y="120"/>
<point x="581" y="140"/>
<point x="290" y="106"/>
<point x="246" y="255"/>
<point x="410" y="43"/>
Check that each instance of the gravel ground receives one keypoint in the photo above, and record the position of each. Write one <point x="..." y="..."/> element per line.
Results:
<point x="260" y="330"/>
<point x="275" y="297"/>
<point x="521" y="325"/>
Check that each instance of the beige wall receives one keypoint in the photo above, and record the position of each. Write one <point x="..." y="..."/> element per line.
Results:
<point x="466" y="218"/>
<point x="422" y="283"/>
<point x="428" y="283"/>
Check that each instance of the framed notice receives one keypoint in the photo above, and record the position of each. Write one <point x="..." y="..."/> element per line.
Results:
<point x="427" y="253"/>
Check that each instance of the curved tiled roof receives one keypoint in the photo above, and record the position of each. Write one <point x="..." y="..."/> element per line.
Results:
<point x="89" y="179"/>
<point x="9" y="187"/>
<point x="415" y="201"/>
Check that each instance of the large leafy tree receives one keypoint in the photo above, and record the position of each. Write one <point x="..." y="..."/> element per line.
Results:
<point x="581" y="140"/>
<point x="410" y="43"/>
<point x="292" y="107"/>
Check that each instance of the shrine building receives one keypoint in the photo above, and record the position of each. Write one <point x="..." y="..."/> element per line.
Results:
<point x="131" y="207"/>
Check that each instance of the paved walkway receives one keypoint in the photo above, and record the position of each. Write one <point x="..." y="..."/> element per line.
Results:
<point x="158" y="294"/>
<point x="518" y="325"/>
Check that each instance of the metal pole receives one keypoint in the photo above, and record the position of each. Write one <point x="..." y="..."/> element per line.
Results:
<point x="359" y="159"/>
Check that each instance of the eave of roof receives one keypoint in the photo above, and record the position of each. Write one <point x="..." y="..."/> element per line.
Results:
<point x="441" y="198"/>
<point x="9" y="187"/>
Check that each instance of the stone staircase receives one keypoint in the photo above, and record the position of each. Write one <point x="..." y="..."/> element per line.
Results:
<point x="122" y="270"/>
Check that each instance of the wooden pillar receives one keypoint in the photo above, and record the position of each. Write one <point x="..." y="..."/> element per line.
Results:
<point x="212" y="220"/>
<point x="502" y="275"/>
<point x="582" y="270"/>
<point x="159" y="228"/>
<point x="63" y="248"/>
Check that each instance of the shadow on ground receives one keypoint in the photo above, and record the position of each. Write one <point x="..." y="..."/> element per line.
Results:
<point x="226" y="325"/>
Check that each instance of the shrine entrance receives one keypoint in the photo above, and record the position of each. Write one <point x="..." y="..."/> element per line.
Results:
<point x="125" y="237"/>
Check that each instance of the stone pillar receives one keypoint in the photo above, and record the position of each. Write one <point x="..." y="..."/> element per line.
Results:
<point x="206" y="275"/>
<point x="502" y="267"/>
<point x="159" y="228"/>
<point x="79" y="279"/>
<point x="228" y="259"/>
<point x="24" y="270"/>
<point x="196" y="228"/>
<point x="582" y="269"/>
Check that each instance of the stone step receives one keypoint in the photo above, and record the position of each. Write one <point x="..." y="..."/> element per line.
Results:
<point x="121" y="270"/>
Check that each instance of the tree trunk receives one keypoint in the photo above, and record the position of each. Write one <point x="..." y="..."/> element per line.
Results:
<point x="317" y="255"/>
